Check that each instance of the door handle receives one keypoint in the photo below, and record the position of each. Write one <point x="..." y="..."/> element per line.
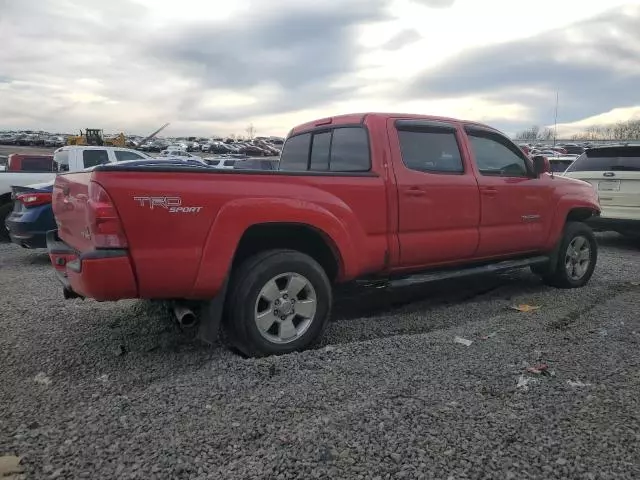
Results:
<point x="489" y="191"/>
<point x="608" y="174"/>
<point x="415" y="192"/>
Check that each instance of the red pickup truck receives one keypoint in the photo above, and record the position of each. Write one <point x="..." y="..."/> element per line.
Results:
<point x="389" y="197"/>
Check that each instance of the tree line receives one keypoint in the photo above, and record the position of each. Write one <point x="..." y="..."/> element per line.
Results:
<point x="629" y="130"/>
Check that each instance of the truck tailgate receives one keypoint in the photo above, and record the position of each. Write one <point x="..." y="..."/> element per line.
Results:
<point x="69" y="200"/>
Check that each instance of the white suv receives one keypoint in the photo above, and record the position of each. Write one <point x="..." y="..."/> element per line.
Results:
<point x="614" y="171"/>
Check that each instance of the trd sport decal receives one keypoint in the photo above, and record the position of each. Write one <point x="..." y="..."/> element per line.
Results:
<point x="172" y="204"/>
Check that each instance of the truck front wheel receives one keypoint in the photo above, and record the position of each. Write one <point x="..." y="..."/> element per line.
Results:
<point x="576" y="259"/>
<point x="279" y="302"/>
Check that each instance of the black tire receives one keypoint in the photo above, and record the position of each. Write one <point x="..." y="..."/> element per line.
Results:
<point x="557" y="275"/>
<point x="245" y="286"/>
<point x="5" y="210"/>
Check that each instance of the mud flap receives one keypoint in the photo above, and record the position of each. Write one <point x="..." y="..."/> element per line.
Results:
<point x="210" y="316"/>
<point x="553" y="256"/>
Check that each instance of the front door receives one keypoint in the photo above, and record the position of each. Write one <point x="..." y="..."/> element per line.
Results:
<point x="438" y="198"/>
<point x="515" y="205"/>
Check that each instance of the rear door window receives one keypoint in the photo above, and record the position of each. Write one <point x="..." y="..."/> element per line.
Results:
<point x="122" y="155"/>
<point x="91" y="158"/>
<point x="431" y="151"/>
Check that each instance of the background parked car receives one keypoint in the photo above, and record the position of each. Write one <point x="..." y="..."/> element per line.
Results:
<point x="614" y="171"/>
<point x="32" y="215"/>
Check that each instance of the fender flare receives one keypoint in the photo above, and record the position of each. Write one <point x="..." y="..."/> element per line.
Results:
<point x="237" y="216"/>
<point x="565" y="205"/>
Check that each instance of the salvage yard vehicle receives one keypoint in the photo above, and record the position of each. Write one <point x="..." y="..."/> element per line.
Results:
<point x="393" y="198"/>
<point x="32" y="215"/>
<point x="615" y="172"/>
<point x="25" y="224"/>
<point x="17" y="162"/>
<point x="22" y="170"/>
<point x="75" y="157"/>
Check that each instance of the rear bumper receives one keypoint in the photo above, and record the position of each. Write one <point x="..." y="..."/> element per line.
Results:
<point x="29" y="228"/>
<point x="28" y="239"/>
<point x="100" y="274"/>
<point x="604" y="224"/>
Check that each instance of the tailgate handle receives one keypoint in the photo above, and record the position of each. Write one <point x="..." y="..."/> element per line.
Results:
<point x="65" y="190"/>
<point x="608" y="174"/>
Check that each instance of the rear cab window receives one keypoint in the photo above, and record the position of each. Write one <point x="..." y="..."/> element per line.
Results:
<point x="36" y="164"/>
<point x="340" y="149"/>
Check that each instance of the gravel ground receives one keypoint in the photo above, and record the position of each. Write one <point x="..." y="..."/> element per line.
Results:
<point x="92" y="390"/>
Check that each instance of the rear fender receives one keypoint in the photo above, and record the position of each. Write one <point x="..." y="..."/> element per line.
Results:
<point x="235" y="217"/>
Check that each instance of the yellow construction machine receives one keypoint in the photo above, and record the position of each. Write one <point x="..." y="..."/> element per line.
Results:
<point x="94" y="136"/>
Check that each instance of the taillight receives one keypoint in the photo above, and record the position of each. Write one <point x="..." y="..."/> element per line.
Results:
<point x="104" y="223"/>
<point x="34" y="199"/>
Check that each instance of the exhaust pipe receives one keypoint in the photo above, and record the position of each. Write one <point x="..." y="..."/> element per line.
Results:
<point x="185" y="316"/>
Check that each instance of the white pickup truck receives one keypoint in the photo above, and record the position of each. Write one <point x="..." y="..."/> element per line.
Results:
<point x="70" y="158"/>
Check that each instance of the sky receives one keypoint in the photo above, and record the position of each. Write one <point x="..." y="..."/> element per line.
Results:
<point x="213" y="67"/>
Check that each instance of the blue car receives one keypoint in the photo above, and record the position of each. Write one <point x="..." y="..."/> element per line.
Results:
<point x="32" y="215"/>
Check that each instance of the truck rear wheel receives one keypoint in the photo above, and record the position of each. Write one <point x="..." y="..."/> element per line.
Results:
<point x="576" y="260"/>
<point x="279" y="302"/>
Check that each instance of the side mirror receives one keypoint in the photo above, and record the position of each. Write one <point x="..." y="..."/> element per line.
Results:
<point x="541" y="165"/>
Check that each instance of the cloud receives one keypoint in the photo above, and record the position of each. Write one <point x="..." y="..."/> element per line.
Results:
<point x="436" y="3"/>
<point x="208" y="66"/>
<point x="302" y="50"/>
<point x="77" y="58"/>
<point x="594" y="66"/>
<point x="402" y="39"/>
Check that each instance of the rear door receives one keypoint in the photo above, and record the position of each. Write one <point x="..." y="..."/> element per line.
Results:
<point x="438" y="197"/>
<point x="615" y="174"/>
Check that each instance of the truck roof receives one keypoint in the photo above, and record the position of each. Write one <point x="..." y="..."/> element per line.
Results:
<point x="355" y="118"/>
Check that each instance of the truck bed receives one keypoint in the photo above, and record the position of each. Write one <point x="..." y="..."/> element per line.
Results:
<point x="194" y="218"/>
